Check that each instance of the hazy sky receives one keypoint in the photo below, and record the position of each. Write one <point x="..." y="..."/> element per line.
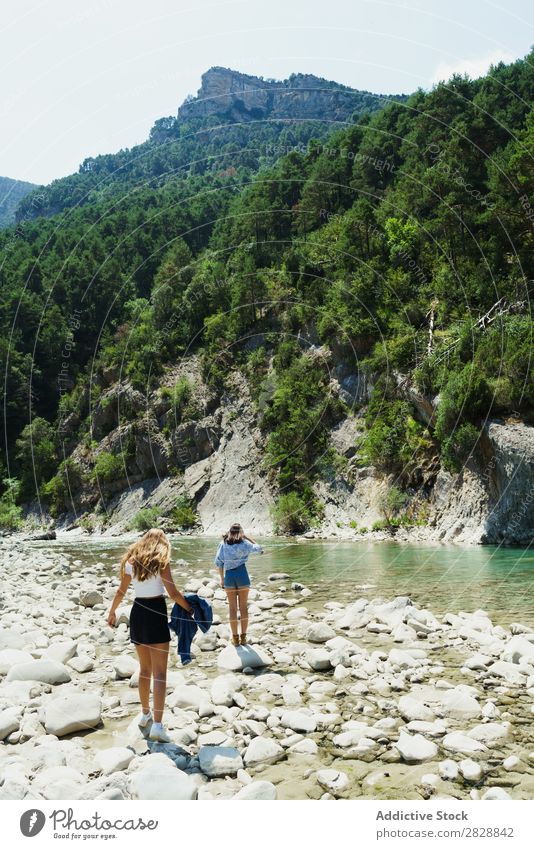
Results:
<point x="82" y="78"/>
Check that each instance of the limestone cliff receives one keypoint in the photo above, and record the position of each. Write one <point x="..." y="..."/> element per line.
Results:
<point x="242" y="97"/>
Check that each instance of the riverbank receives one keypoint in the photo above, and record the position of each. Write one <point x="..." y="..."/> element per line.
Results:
<point x="339" y="696"/>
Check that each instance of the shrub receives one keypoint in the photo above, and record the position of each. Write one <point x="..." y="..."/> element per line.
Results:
<point x="291" y="514"/>
<point x="58" y="490"/>
<point x="391" y="502"/>
<point x="458" y="446"/>
<point x="145" y="519"/>
<point x="108" y="467"/>
<point x="36" y="456"/>
<point x="10" y="512"/>
<point x="182" y="405"/>
<point x="184" y="515"/>
<point x="380" y="525"/>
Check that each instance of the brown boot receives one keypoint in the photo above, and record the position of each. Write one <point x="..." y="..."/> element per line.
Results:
<point x="235" y="639"/>
<point x="243" y="639"/>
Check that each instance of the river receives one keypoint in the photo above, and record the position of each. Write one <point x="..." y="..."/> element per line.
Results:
<point x="445" y="578"/>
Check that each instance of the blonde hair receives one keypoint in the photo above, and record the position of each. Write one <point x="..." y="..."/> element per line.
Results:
<point x="148" y="556"/>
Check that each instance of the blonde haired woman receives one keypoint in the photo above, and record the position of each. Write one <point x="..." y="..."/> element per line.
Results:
<point x="146" y="564"/>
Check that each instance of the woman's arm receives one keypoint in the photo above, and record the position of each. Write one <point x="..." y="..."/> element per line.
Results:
<point x="119" y="595"/>
<point x="172" y="590"/>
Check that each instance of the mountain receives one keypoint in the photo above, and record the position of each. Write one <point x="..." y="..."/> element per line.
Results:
<point x="11" y="193"/>
<point x="242" y="97"/>
<point x="320" y="332"/>
<point x="237" y="122"/>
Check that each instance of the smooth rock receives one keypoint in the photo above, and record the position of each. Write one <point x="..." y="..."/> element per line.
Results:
<point x="219" y="761"/>
<point x="262" y="750"/>
<point x="258" y="791"/>
<point x="46" y="671"/>
<point x="74" y="712"/>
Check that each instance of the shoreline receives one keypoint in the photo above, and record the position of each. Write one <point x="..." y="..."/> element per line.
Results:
<point x="361" y="697"/>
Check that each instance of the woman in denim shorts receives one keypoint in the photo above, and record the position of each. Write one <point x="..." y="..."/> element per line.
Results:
<point x="231" y="559"/>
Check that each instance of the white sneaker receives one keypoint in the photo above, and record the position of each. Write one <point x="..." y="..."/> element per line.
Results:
<point x="157" y="732"/>
<point x="144" y="719"/>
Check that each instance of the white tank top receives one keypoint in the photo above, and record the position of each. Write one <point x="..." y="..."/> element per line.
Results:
<point x="145" y="589"/>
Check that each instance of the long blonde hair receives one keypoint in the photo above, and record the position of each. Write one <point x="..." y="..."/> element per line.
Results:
<point x="148" y="556"/>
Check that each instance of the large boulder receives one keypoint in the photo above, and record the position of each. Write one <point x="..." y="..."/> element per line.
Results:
<point x="73" y="712"/>
<point x="9" y="721"/>
<point x="114" y="759"/>
<point x="415" y="749"/>
<point x="257" y="791"/>
<point x="237" y="658"/>
<point x="159" y="778"/>
<point x="297" y="720"/>
<point x="61" y="651"/>
<point x="219" y="761"/>
<point x="263" y="750"/>
<point x="46" y="671"/>
<point x="320" y="632"/>
<point x="10" y="657"/>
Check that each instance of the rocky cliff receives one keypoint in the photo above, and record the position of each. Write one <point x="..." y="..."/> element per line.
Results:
<point x="216" y="463"/>
<point x="242" y="97"/>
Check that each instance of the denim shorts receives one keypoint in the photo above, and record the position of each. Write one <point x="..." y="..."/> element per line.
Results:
<point x="236" y="578"/>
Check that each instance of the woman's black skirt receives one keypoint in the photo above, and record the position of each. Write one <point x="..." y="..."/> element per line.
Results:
<point x="149" y="621"/>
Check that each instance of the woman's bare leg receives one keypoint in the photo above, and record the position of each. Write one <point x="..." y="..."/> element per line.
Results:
<point x="145" y="674"/>
<point x="232" y="604"/>
<point x="159" y="653"/>
<point x="242" y="596"/>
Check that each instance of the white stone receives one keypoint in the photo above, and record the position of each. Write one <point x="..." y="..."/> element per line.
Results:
<point x="219" y="761"/>
<point x="258" y="791"/>
<point x="333" y="780"/>
<point x="90" y="598"/>
<point x="9" y="722"/>
<point x="238" y="658"/>
<point x="262" y="750"/>
<point x="471" y="770"/>
<point x="448" y="770"/>
<point x="187" y="696"/>
<point x="113" y="759"/>
<point x="459" y="704"/>
<point x="125" y="666"/>
<point x="159" y="778"/>
<point x="74" y="712"/>
<point x="82" y="663"/>
<point x="10" y="657"/>
<point x="320" y="632"/>
<point x="61" y="651"/>
<point x="494" y="794"/>
<point x="490" y="733"/>
<point x="298" y="721"/>
<point x="410" y="709"/>
<point x="46" y="671"/>
<point x="222" y="690"/>
<point x="511" y="763"/>
<point x="462" y="744"/>
<point x="318" y="659"/>
<point x="415" y="748"/>
<point x="304" y="747"/>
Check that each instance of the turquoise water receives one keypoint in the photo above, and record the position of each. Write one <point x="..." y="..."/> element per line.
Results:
<point x="443" y="578"/>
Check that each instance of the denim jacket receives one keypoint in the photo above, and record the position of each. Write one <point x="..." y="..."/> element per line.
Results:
<point x="231" y="556"/>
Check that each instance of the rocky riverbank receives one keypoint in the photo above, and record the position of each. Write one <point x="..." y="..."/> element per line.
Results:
<point x="371" y="699"/>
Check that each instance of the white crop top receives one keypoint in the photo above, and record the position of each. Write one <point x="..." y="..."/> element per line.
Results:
<point x="145" y="589"/>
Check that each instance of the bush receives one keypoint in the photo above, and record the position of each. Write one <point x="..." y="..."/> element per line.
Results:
<point x="10" y="512"/>
<point x="380" y="525"/>
<point x="291" y="514"/>
<point x="458" y="446"/>
<point x="145" y="519"/>
<point x="108" y="467"/>
<point x="391" y="502"/>
<point x="57" y="492"/>
<point x="180" y="395"/>
<point x="184" y="515"/>
<point x="36" y="456"/>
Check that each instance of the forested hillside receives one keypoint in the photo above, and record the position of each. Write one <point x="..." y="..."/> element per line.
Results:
<point x="11" y="194"/>
<point x="399" y="251"/>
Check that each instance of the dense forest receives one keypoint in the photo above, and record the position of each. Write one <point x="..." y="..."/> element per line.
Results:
<point x="402" y="245"/>
<point x="11" y="194"/>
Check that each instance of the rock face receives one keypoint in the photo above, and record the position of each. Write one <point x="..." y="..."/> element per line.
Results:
<point x="242" y="97"/>
<point x="491" y="500"/>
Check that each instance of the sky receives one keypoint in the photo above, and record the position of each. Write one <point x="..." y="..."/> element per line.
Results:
<point x="83" y="77"/>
